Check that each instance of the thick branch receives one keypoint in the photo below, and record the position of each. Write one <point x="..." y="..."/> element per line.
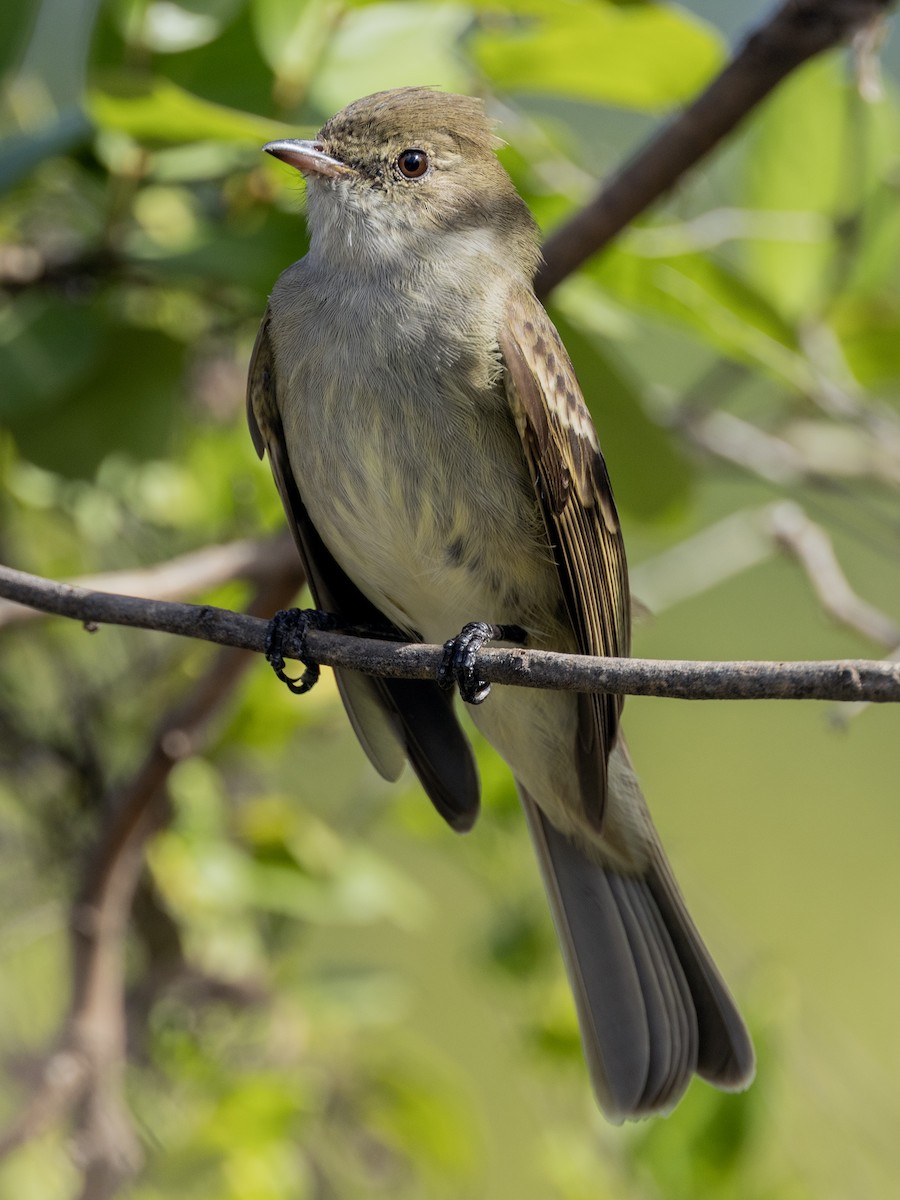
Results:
<point x="796" y="31"/>
<point x="855" y="679"/>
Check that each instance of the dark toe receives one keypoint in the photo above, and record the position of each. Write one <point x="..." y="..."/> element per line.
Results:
<point x="291" y="625"/>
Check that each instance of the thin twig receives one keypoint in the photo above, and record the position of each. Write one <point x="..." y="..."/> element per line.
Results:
<point x="796" y="31"/>
<point x="743" y="540"/>
<point x="811" y="546"/>
<point x="856" y="679"/>
<point x="254" y="560"/>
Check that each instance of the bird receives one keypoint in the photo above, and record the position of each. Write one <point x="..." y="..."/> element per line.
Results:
<point x="444" y="483"/>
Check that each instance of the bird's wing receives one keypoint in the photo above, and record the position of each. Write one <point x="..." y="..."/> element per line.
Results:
<point x="572" y="485"/>
<point x="393" y="719"/>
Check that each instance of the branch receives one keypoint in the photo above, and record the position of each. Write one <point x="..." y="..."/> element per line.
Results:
<point x="794" y="532"/>
<point x="796" y="31"/>
<point x="746" y="538"/>
<point x="856" y="679"/>
<point x="255" y="560"/>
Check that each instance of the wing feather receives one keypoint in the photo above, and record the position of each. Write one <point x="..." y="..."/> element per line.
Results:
<point x="393" y="719"/>
<point x="573" y="488"/>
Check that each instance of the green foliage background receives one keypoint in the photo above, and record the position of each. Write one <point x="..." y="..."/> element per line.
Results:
<point x="401" y="1026"/>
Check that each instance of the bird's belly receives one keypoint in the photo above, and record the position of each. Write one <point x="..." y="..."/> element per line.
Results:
<point x="414" y="562"/>
<point x="436" y="525"/>
<point x="433" y="553"/>
<point x="437" y="533"/>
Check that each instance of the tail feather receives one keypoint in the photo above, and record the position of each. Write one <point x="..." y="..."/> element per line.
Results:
<point x="652" y="1007"/>
<point x="672" y="1028"/>
<point x="725" y="1055"/>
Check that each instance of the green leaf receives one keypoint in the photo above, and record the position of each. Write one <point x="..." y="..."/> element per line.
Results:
<point x="649" y="476"/>
<point x="52" y="70"/>
<point x="21" y="153"/>
<point x="416" y="1101"/>
<point x="390" y="45"/>
<point x="159" y="110"/>
<point x="644" y="56"/>
<point x="815" y="147"/>
<point x="708" y="297"/>
<point x="870" y="337"/>
<point x="46" y="348"/>
<point x="229" y="70"/>
<point x="291" y="34"/>
<point x="126" y="402"/>
<point x="16" y="21"/>
<point x="244" y="252"/>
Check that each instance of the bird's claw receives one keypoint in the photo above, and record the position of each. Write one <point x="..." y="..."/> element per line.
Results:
<point x="460" y="652"/>
<point x="294" y="624"/>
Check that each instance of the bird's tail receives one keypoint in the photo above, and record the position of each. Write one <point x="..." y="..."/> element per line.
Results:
<point x="652" y="1007"/>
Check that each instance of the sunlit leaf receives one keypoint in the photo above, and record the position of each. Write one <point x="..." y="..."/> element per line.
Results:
<point x="815" y="146"/>
<point x="228" y="70"/>
<point x="416" y="1104"/>
<point x="159" y="110"/>
<point x="709" y="297"/>
<point x="642" y="56"/>
<point x="292" y="34"/>
<point x="391" y="45"/>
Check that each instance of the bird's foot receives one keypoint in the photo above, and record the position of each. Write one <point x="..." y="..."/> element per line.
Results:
<point x="458" y="664"/>
<point x="295" y="623"/>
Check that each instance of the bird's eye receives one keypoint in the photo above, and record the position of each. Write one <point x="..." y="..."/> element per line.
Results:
<point x="412" y="164"/>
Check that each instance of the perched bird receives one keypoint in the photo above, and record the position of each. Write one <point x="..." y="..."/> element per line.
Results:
<point x="444" y="482"/>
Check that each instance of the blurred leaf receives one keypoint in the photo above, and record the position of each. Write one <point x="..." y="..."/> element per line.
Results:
<point x="706" y="295"/>
<point x="649" y="475"/>
<point x="249" y="252"/>
<point x="15" y="24"/>
<point x="260" y="1109"/>
<point x="158" y="110"/>
<point x="127" y="401"/>
<point x="415" y="1103"/>
<point x="170" y="28"/>
<point x="642" y="56"/>
<point x="46" y="347"/>
<point x="292" y="34"/>
<point x="872" y="248"/>
<point x="554" y="1030"/>
<point x="391" y="45"/>
<point x="229" y="70"/>
<point x="870" y="337"/>
<point x="519" y="942"/>
<point x="22" y="152"/>
<point x="814" y="146"/>
<point x="55" y="57"/>
<point x="708" y="1146"/>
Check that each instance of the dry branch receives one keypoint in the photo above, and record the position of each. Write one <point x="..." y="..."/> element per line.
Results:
<point x="856" y="679"/>
<point x="795" y="32"/>
<point x="255" y="560"/>
<point x="795" y="533"/>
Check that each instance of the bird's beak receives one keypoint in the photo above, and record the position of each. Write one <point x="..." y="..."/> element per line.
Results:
<point x="308" y="157"/>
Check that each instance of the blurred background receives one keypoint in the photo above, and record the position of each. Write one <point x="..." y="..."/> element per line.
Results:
<point x="328" y="993"/>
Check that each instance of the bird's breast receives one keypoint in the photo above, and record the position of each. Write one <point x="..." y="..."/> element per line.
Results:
<point x="410" y="466"/>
